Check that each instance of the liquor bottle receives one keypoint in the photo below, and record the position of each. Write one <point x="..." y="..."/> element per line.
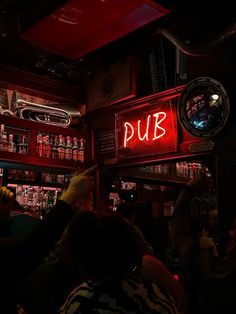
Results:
<point x="3" y="99"/>
<point x="54" y="148"/>
<point x="81" y="150"/>
<point x="21" y="145"/>
<point x="40" y="145"/>
<point x="4" y="142"/>
<point x="26" y="144"/>
<point x="68" y="148"/>
<point x="75" y="151"/>
<point x="47" y="147"/>
<point x="12" y="145"/>
<point x="44" y="145"/>
<point x="61" y="147"/>
<point x="45" y="200"/>
<point x="1" y="133"/>
<point x="29" y="197"/>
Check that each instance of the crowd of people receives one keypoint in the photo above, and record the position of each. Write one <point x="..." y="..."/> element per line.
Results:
<point x="77" y="260"/>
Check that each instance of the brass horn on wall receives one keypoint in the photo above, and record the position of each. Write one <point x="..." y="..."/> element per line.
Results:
<point x="38" y="112"/>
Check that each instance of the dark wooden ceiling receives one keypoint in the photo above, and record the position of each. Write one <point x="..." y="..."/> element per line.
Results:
<point x="193" y="22"/>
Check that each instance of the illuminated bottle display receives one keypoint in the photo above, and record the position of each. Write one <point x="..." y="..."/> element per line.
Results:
<point x="36" y="198"/>
<point x="48" y="145"/>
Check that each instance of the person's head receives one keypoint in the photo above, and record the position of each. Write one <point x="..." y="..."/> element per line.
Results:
<point x="85" y="202"/>
<point x="126" y="210"/>
<point x="213" y="220"/>
<point x="15" y="205"/>
<point x="101" y="244"/>
<point x="13" y="190"/>
<point x="197" y="227"/>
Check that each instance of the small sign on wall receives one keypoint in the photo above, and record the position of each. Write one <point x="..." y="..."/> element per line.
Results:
<point x="106" y="142"/>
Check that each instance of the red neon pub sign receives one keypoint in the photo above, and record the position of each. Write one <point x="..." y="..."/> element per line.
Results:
<point x="149" y="130"/>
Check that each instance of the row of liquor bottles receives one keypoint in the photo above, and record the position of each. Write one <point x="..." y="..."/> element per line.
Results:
<point x="32" y="176"/>
<point x="36" y="199"/>
<point x="48" y="145"/>
<point x="61" y="147"/>
<point x="14" y="141"/>
<point x="183" y="169"/>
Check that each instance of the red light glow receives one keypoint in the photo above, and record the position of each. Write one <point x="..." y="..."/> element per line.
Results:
<point x="155" y="128"/>
<point x="148" y="130"/>
<point x="176" y="277"/>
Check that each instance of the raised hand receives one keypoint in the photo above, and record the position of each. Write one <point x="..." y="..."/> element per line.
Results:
<point x="6" y="197"/>
<point x="79" y="186"/>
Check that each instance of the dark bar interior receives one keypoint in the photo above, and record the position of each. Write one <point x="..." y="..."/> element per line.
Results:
<point x="145" y="91"/>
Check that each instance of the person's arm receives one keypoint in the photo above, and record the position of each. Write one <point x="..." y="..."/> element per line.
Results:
<point x="6" y="197"/>
<point x="155" y="271"/>
<point x="179" y="224"/>
<point x="144" y="245"/>
<point x="21" y="254"/>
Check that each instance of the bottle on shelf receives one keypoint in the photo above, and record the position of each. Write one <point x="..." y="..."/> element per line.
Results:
<point x="61" y="147"/>
<point x="1" y="134"/>
<point x="12" y="145"/>
<point x="75" y="150"/>
<point x="47" y="147"/>
<point x="40" y="145"/>
<point x="44" y="145"/>
<point x="54" y="147"/>
<point x="68" y="149"/>
<point x="22" y="146"/>
<point x="26" y="144"/>
<point x="81" y="150"/>
<point x="4" y="142"/>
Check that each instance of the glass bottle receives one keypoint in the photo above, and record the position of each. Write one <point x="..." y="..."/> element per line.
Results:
<point x="21" y="145"/>
<point x="1" y="135"/>
<point x="54" y="148"/>
<point x="40" y="145"/>
<point x="68" y="148"/>
<point x="75" y="151"/>
<point x="4" y="143"/>
<point x="61" y="147"/>
<point x="81" y="150"/>
<point x="47" y="147"/>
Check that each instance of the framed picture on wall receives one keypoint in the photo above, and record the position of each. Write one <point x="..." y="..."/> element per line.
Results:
<point x="113" y="85"/>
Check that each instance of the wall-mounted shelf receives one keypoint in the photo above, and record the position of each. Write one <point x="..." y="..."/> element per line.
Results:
<point x="30" y="158"/>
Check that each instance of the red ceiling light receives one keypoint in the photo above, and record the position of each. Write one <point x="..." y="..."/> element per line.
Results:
<point x="82" y="26"/>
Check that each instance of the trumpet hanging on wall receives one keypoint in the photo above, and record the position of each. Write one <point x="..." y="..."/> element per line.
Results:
<point x="37" y="109"/>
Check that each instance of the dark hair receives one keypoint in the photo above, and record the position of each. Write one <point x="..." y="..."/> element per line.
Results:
<point x="126" y="210"/>
<point x="102" y="243"/>
<point x="12" y="189"/>
<point x="196" y="226"/>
